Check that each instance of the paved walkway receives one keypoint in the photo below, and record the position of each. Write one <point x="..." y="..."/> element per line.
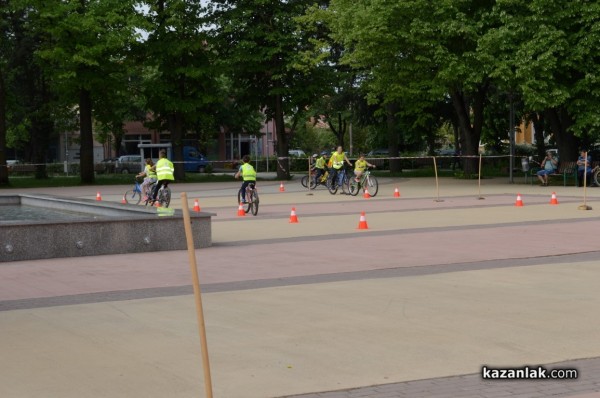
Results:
<point x="441" y="284"/>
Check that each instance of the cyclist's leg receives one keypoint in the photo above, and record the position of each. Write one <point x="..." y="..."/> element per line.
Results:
<point x="242" y="192"/>
<point x="340" y="177"/>
<point x="156" y="188"/>
<point x="333" y="174"/>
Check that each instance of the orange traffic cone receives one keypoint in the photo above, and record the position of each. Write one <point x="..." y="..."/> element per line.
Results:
<point x="196" y="205"/>
<point x="396" y="193"/>
<point x="519" y="201"/>
<point x="362" y="223"/>
<point x="281" y="187"/>
<point x="98" y="197"/>
<point x="293" y="216"/>
<point x="124" y="201"/>
<point x="367" y="195"/>
<point x="241" y="212"/>
<point x="553" y="200"/>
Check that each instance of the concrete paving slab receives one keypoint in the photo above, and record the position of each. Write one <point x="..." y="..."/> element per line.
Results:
<point x="280" y="341"/>
<point x="431" y="291"/>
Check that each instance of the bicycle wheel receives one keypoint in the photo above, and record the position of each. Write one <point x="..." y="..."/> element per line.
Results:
<point x="254" y="202"/>
<point x="353" y="187"/>
<point x="166" y="197"/>
<point x="346" y="183"/>
<point x="304" y="181"/>
<point x="597" y="178"/>
<point x="133" y="197"/>
<point x="245" y="206"/>
<point x="332" y="186"/>
<point x="372" y="185"/>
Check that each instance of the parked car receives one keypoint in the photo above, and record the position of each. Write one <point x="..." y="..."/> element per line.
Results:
<point x="129" y="164"/>
<point x="107" y="165"/>
<point x="379" y="152"/>
<point x="194" y="160"/>
<point x="297" y="153"/>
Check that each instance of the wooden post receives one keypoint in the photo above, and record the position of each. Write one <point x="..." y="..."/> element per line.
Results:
<point x="480" y="197"/>
<point x="437" y="184"/>
<point x="584" y="206"/>
<point x="197" y="294"/>
<point x="309" y="176"/>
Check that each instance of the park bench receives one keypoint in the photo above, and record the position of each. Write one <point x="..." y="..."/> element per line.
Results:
<point x="566" y="171"/>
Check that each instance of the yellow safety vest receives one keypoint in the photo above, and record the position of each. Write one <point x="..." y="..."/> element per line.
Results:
<point x="320" y="163"/>
<point x="248" y="172"/>
<point x="164" y="170"/>
<point x="337" y="160"/>
<point x="360" y="165"/>
<point x="149" y="172"/>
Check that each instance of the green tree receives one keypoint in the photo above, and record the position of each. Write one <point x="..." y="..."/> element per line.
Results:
<point x="547" y="52"/>
<point x="417" y="53"/>
<point x="87" y="42"/>
<point x="180" y="84"/>
<point x="261" y="49"/>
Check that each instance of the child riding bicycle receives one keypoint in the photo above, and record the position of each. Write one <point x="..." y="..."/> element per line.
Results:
<point x="248" y="174"/>
<point x="360" y="166"/>
<point x="150" y="177"/>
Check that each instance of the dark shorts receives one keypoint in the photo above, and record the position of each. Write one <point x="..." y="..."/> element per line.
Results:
<point x="545" y="172"/>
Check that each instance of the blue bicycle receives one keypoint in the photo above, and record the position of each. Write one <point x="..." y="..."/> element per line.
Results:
<point x="134" y="196"/>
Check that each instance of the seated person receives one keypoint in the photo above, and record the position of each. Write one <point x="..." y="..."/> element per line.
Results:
<point x="584" y="166"/>
<point x="549" y="166"/>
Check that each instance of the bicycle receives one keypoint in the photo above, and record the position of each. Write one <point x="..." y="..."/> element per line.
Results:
<point x="343" y="176"/>
<point x="366" y="181"/>
<point x="134" y="196"/>
<point x="163" y="196"/>
<point x="313" y="182"/>
<point x="252" y="200"/>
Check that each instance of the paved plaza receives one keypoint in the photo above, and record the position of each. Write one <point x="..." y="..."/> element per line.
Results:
<point x="446" y="280"/>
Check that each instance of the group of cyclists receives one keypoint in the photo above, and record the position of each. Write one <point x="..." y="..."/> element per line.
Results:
<point x="335" y="163"/>
<point x="162" y="173"/>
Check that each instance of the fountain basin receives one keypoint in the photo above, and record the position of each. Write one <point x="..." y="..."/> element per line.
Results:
<point x="47" y="226"/>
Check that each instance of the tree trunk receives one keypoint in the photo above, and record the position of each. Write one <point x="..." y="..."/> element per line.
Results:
<point x="176" y="127"/>
<point x="339" y="130"/>
<point x="3" y="169"/>
<point x="538" y="127"/>
<point x="393" y="136"/>
<point x="41" y="128"/>
<point x="471" y="133"/>
<point x="86" y="151"/>
<point x="283" y="161"/>
<point x="560" y="121"/>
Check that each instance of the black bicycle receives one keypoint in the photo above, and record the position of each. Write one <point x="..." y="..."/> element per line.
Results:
<point x="252" y="200"/>
<point x="163" y="197"/>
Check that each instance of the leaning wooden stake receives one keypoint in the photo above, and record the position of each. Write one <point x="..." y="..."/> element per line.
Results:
<point x="480" y="197"/>
<point x="584" y="206"/>
<point x="197" y="294"/>
<point x="437" y="183"/>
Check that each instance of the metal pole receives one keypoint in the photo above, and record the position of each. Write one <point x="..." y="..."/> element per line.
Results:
<point x="512" y="139"/>
<point x="350" y="134"/>
<point x="267" y="146"/>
